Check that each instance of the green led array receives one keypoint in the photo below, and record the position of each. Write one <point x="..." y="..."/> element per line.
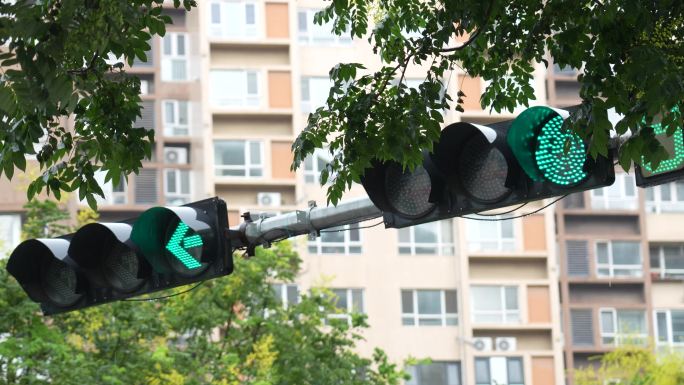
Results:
<point x="676" y="159"/>
<point x="180" y="252"/>
<point x="558" y="164"/>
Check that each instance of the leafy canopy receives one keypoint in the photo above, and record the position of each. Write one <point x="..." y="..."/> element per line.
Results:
<point x="53" y="66"/>
<point x="631" y="54"/>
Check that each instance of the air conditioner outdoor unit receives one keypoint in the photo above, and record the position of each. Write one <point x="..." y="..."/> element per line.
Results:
<point x="268" y="199"/>
<point x="506" y="344"/>
<point x="176" y="155"/>
<point x="482" y="344"/>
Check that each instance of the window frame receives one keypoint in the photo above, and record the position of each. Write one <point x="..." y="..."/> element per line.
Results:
<point x="349" y="293"/>
<point x="618" y="337"/>
<point x="414" y="371"/>
<point x="178" y="195"/>
<point x="416" y="317"/>
<point x="611" y="266"/>
<point x="247" y="166"/>
<point x="507" y="361"/>
<point x="508" y="316"/>
<point x="309" y="38"/>
<point x="168" y="59"/>
<point x="306" y="104"/>
<point x="247" y="31"/>
<point x="503" y="244"/>
<point x="662" y="270"/>
<point x="656" y="204"/>
<point x="347" y="244"/>
<point x="170" y="127"/>
<point x="246" y="100"/>
<point x="601" y="200"/>
<point x="439" y="246"/>
<point x="313" y="172"/>
<point x="670" y="342"/>
<point x="284" y="300"/>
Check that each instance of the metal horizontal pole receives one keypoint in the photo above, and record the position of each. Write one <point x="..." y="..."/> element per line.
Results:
<point x="309" y="221"/>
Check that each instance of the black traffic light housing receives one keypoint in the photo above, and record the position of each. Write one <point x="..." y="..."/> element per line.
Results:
<point x="163" y="248"/>
<point x="668" y="170"/>
<point x="475" y="168"/>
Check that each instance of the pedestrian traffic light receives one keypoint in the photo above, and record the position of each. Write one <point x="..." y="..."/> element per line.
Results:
<point x="668" y="170"/>
<point x="163" y="248"/>
<point x="475" y="168"/>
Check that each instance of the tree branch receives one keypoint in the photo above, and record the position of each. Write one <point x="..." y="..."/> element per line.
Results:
<point x="474" y="35"/>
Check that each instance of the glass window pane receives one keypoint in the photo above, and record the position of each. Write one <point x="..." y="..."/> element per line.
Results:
<point x="631" y="322"/>
<point x="278" y="292"/>
<point x="515" y="371"/>
<point x="650" y="196"/>
<point x="453" y="374"/>
<point x="229" y="153"/>
<point x="654" y="254"/>
<point x="215" y="13"/>
<point x="602" y="252"/>
<point x="413" y="373"/>
<point x="680" y="191"/>
<point x="677" y="325"/>
<point x="630" y="186"/>
<point x="252" y="86"/>
<point x="250" y="18"/>
<point x="407" y="301"/>
<point x="626" y="253"/>
<point x="451" y="302"/>
<point x="407" y="321"/>
<point x="426" y="232"/>
<point x="506" y="228"/>
<point x="486" y="297"/>
<point x="447" y="232"/>
<point x="301" y="21"/>
<point x="434" y="373"/>
<point x="665" y="194"/>
<point x="180" y="49"/>
<point x="663" y="333"/>
<point x="167" y="42"/>
<point x="341" y="298"/>
<point x="429" y="302"/>
<point x="182" y="112"/>
<point x="482" y="371"/>
<point x="357" y="300"/>
<point x="429" y="321"/>
<point x="511" y="298"/>
<point x="607" y="325"/>
<point x="185" y="182"/>
<point x="292" y="295"/>
<point x="305" y="90"/>
<point x="354" y="233"/>
<point x="169" y="112"/>
<point x="332" y="235"/>
<point x="254" y="153"/>
<point x="171" y="181"/>
<point x="426" y="250"/>
<point x="404" y="235"/>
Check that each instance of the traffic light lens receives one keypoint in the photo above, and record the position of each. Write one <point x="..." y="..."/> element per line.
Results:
<point x="121" y="267"/>
<point x="674" y="146"/>
<point x="59" y="283"/>
<point x="560" y="154"/>
<point x="408" y="192"/>
<point x="184" y="249"/>
<point x="483" y="170"/>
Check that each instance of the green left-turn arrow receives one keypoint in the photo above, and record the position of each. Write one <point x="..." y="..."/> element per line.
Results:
<point x="179" y="244"/>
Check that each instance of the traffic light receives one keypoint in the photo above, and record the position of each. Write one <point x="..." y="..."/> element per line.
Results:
<point x="474" y="168"/>
<point x="668" y="170"/>
<point x="163" y="248"/>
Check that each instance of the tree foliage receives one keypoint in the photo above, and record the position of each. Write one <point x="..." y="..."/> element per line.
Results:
<point x="231" y="330"/>
<point x="634" y="365"/>
<point x="631" y="54"/>
<point x="54" y="67"/>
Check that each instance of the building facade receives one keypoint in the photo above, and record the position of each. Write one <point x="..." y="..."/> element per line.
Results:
<point x="490" y="300"/>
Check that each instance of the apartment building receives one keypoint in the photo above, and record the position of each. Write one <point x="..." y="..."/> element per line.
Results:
<point x="491" y="300"/>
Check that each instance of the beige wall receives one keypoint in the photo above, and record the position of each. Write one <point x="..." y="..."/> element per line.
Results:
<point x="543" y="371"/>
<point x="279" y="89"/>
<point x="277" y="20"/>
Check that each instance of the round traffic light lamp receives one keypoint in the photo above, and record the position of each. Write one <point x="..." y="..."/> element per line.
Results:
<point x="483" y="170"/>
<point x="408" y="191"/>
<point x="59" y="282"/>
<point x="560" y="154"/>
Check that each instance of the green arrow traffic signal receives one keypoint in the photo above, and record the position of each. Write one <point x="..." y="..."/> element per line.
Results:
<point x="180" y="251"/>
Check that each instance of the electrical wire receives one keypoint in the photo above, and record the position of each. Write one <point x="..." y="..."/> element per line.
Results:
<point x="350" y="228"/>
<point x="518" y="216"/>
<point x="165" y="296"/>
<point x="505" y="212"/>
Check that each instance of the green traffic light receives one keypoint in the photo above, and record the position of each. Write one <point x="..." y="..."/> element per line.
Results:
<point x="560" y="154"/>
<point x="675" y="148"/>
<point x="180" y="251"/>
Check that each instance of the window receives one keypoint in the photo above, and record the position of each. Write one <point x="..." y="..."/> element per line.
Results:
<point x="620" y="327"/>
<point x="669" y="328"/>
<point x="435" y="373"/>
<point x="174" y="65"/>
<point x="621" y="195"/>
<point x="177" y="187"/>
<point x="286" y="294"/>
<point x="315" y="91"/>
<point x="338" y="240"/>
<point x="312" y="33"/>
<point x="495" y="304"/>
<point x="347" y="301"/>
<point x="119" y="193"/>
<point x="667" y="261"/>
<point x="242" y="158"/>
<point x="234" y="88"/>
<point x="314" y="164"/>
<point x="666" y="198"/>
<point x="491" y="235"/>
<point x="233" y="19"/>
<point x="10" y="233"/>
<point x="618" y="259"/>
<point x="427" y="238"/>
<point x="176" y="118"/>
<point x="499" y="371"/>
<point x="429" y="308"/>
